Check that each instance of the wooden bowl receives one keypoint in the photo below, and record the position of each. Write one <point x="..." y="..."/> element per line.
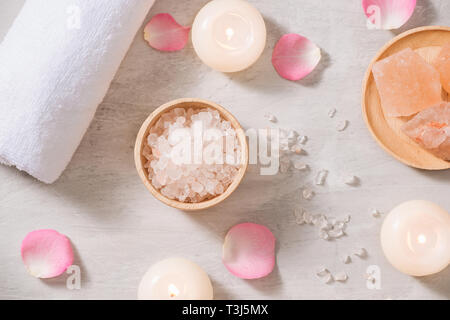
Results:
<point x="144" y="132"/>
<point x="427" y="42"/>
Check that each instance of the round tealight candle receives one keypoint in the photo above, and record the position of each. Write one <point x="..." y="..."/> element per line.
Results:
<point x="415" y="238"/>
<point x="229" y="35"/>
<point x="177" y="279"/>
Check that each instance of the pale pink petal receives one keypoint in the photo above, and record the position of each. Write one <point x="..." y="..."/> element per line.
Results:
<point x="249" y="251"/>
<point x="388" y="14"/>
<point x="165" y="34"/>
<point x="294" y="56"/>
<point x="46" y="253"/>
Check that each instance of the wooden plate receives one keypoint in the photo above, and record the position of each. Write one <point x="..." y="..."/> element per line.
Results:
<point x="426" y="41"/>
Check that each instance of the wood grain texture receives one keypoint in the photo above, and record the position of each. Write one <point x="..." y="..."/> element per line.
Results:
<point x="118" y="229"/>
<point x="187" y="103"/>
<point x="427" y="42"/>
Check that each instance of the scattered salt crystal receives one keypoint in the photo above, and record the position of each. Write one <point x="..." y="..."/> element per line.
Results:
<point x="302" y="139"/>
<point x="324" y="235"/>
<point x="341" y="276"/>
<point x="307" y="217"/>
<point x="351" y="180"/>
<point x="298" y="213"/>
<point x="346" y="259"/>
<point x="270" y="117"/>
<point x="299" y="165"/>
<point x="336" y="233"/>
<point x="296" y="149"/>
<point x="331" y="112"/>
<point x="308" y="194"/>
<point x="322" y="271"/>
<point x="321" y="177"/>
<point x="347" y="218"/>
<point x="328" y="278"/>
<point x="361" y="252"/>
<point x="292" y="134"/>
<point x="342" y="125"/>
<point x="375" y="213"/>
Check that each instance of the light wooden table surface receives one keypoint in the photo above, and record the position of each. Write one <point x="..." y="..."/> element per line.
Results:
<point x="119" y="229"/>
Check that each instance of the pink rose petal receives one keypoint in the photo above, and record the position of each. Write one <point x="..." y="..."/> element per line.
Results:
<point x="294" y="56"/>
<point x="388" y="14"/>
<point x="165" y="34"/>
<point x="249" y="251"/>
<point x="46" y="253"/>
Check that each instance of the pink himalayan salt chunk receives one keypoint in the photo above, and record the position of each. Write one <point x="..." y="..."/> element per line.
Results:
<point x="407" y="84"/>
<point x="431" y="129"/>
<point x="442" y="64"/>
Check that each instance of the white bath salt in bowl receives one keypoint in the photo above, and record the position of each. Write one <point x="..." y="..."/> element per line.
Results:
<point x="191" y="154"/>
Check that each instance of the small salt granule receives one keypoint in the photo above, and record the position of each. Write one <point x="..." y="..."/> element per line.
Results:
<point x="302" y="139"/>
<point x="328" y="278"/>
<point x="296" y="149"/>
<point x="308" y="194"/>
<point x="270" y="117"/>
<point x="298" y="213"/>
<point x="342" y="125"/>
<point x="351" y="180"/>
<point x="324" y="235"/>
<point x="341" y="277"/>
<point x="346" y="259"/>
<point x="331" y="112"/>
<point x="321" y="177"/>
<point x="299" y="165"/>
<point x="322" y="271"/>
<point x="361" y="252"/>
<point x="375" y="213"/>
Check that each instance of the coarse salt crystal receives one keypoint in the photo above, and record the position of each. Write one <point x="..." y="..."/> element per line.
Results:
<point x="322" y="271"/>
<point x="302" y="139"/>
<point x="331" y="112"/>
<point x="270" y="117"/>
<point x="296" y="149"/>
<point x="375" y="213"/>
<point x="351" y="180"/>
<point x="341" y="125"/>
<point x="321" y="177"/>
<point x="341" y="276"/>
<point x="299" y="165"/>
<point x="328" y="278"/>
<point x="308" y="194"/>
<point x="361" y="252"/>
<point x="346" y="259"/>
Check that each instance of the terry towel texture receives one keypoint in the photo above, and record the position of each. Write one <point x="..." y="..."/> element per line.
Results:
<point x="56" y="64"/>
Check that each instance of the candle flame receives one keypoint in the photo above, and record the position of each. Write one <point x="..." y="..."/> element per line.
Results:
<point x="422" y="238"/>
<point x="173" y="291"/>
<point x="230" y="33"/>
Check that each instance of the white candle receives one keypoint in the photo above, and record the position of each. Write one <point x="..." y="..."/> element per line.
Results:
<point x="229" y="35"/>
<point x="415" y="238"/>
<point x="177" y="279"/>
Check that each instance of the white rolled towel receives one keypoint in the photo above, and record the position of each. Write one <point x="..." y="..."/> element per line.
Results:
<point x="56" y="64"/>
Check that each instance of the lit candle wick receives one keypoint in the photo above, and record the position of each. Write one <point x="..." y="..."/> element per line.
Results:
<point x="230" y="33"/>
<point x="422" y="238"/>
<point x="173" y="291"/>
